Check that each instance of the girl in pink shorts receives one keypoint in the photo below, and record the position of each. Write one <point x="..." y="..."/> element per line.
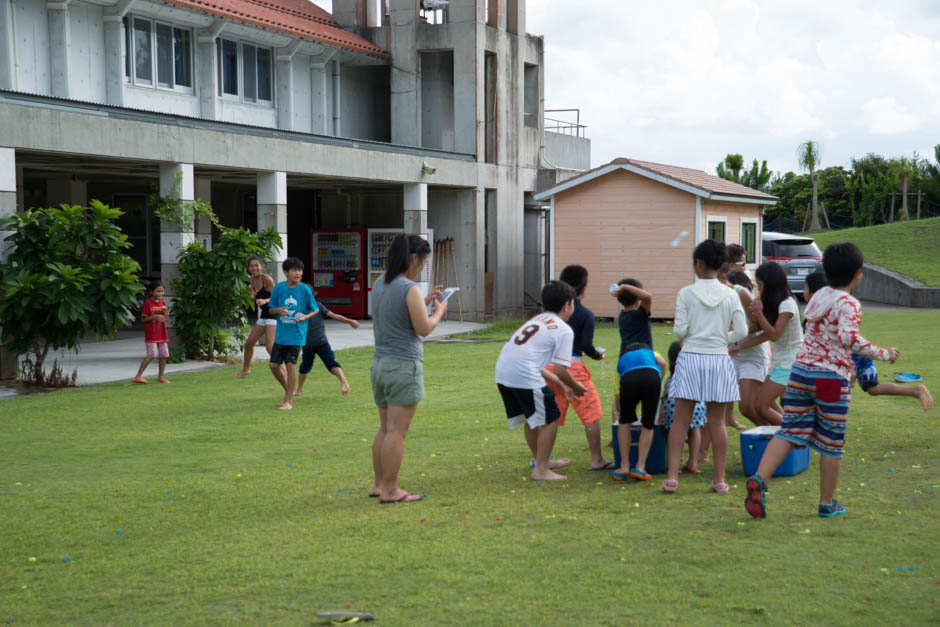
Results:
<point x="154" y="315"/>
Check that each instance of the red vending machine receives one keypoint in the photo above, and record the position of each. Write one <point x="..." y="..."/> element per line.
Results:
<point x="336" y="270"/>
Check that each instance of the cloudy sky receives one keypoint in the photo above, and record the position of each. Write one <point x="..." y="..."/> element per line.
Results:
<point x="685" y="82"/>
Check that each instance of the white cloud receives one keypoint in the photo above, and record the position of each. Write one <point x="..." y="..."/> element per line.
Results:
<point x="886" y="116"/>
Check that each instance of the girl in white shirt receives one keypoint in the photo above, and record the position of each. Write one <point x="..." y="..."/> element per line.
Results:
<point x="704" y="372"/>
<point x="778" y="317"/>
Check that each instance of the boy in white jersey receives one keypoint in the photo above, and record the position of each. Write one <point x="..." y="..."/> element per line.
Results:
<point x="521" y="376"/>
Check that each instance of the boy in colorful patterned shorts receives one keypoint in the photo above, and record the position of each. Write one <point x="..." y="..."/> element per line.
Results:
<point x="816" y="401"/>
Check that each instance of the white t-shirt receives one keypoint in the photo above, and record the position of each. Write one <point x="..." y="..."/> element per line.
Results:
<point x="758" y="353"/>
<point x="786" y="348"/>
<point x="544" y="339"/>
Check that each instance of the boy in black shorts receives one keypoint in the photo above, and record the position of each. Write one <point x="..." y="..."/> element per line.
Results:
<point x="317" y="344"/>
<point x="521" y="376"/>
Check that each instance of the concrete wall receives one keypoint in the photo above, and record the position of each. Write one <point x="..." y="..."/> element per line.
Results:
<point x="437" y="100"/>
<point x="621" y="225"/>
<point x="31" y="34"/>
<point x="885" y="286"/>
<point x="365" y="103"/>
<point x="567" y="151"/>
<point x="86" y="81"/>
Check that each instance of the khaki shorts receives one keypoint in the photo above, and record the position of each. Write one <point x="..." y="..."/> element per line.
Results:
<point x="397" y="382"/>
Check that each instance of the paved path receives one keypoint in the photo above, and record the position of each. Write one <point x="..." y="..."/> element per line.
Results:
<point x="118" y="359"/>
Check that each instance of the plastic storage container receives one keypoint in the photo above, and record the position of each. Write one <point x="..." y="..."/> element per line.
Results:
<point x="656" y="460"/>
<point x="754" y="442"/>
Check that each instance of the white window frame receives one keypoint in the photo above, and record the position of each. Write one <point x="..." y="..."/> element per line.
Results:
<point x="154" y="82"/>
<point x="757" y="250"/>
<point x="722" y="219"/>
<point x="240" y="73"/>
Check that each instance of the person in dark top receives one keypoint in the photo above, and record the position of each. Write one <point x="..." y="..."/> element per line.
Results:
<point x="635" y="306"/>
<point x="587" y="407"/>
<point x="317" y="344"/>
<point x="266" y="324"/>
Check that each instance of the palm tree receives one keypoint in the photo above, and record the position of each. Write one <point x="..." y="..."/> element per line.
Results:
<point x="807" y="155"/>
<point x="905" y="172"/>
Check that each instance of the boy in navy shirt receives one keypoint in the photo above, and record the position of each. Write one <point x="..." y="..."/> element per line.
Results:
<point x="318" y="345"/>
<point x="635" y="306"/>
<point x="293" y="303"/>
<point x="587" y="407"/>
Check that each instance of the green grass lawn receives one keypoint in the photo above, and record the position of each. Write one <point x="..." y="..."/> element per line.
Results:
<point x="199" y="502"/>
<point x="906" y="247"/>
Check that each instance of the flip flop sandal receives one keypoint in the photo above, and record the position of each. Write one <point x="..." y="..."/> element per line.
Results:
<point x="640" y="475"/>
<point x="908" y="377"/>
<point x="669" y="485"/>
<point x="404" y="499"/>
<point x="754" y="503"/>
<point x="607" y="466"/>
<point x="345" y="617"/>
<point x="619" y="476"/>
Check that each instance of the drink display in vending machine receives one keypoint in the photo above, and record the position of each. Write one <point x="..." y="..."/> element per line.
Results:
<point x="377" y="244"/>
<point x="336" y="270"/>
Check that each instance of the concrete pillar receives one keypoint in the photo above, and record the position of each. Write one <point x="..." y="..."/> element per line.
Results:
<point x="176" y="182"/>
<point x="207" y="79"/>
<point x="203" y="190"/>
<point x="272" y="212"/>
<point x="60" y="47"/>
<point x="469" y="248"/>
<point x="114" y="55"/>
<point x="402" y="40"/>
<point x="515" y="16"/>
<point x="337" y="89"/>
<point x="7" y="47"/>
<point x="416" y="208"/>
<point x="347" y="13"/>
<point x="320" y="122"/>
<point x="285" y="92"/>
<point x="8" y="206"/>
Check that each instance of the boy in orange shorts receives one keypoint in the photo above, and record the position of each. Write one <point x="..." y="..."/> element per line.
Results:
<point x="588" y="406"/>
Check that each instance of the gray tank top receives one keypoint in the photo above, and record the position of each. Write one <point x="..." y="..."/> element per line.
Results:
<point x="391" y="323"/>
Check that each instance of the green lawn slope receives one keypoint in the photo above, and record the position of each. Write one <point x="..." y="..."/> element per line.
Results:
<point x="910" y="248"/>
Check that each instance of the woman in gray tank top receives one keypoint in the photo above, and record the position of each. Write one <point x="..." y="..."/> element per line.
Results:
<point x="399" y="320"/>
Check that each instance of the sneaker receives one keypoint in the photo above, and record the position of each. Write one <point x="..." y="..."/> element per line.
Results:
<point x="833" y="509"/>
<point x="754" y="502"/>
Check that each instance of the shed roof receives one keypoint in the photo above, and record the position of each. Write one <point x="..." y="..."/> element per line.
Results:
<point x="696" y="182"/>
<point x="299" y="18"/>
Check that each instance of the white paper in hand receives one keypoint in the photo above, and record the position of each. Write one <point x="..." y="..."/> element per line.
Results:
<point x="447" y="293"/>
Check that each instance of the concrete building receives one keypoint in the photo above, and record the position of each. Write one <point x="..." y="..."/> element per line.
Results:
<point x="627" y="219"/>
<point x="381" y="115"/>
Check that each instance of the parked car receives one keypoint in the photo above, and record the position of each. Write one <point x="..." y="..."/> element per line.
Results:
<point x="799" y="256"/>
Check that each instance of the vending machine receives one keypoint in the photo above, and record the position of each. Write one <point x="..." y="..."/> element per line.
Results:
<point x="377" y="243"/>
<point x="336" y="270"/>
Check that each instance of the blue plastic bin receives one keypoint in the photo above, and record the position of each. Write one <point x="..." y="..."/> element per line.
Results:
<point x="656" y="460"/>
<point x="754" y="442"/>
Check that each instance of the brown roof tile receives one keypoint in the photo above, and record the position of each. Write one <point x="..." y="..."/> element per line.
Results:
<point x="688" y="176"/>
<point x="299" y="18"/>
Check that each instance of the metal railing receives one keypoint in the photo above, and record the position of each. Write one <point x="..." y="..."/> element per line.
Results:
<point x="565" y="127"/>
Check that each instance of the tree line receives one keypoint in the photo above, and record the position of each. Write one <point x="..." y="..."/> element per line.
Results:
<point x="873" y="190"/>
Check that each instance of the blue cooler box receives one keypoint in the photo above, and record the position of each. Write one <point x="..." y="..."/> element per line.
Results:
<point x="753" y="443"/>
<point x="656" y="460"/>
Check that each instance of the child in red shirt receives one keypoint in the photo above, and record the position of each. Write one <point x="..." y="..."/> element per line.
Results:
<point x="154" y="314"/>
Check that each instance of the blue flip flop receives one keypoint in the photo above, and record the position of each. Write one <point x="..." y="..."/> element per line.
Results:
<point x="908" y="377"/>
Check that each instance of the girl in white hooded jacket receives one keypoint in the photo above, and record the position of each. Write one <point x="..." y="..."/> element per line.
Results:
<point x="705" y="311"/>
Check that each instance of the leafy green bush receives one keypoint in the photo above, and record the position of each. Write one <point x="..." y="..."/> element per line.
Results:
<point x="66" y="275"/>
<point x="212" y="291"/>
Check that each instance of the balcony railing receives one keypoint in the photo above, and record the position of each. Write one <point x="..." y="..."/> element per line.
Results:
<point x="565" y="127"/>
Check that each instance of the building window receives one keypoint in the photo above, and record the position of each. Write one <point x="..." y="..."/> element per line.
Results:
<point x="172" y="62"/>
<point x="749" y="241"/>
<point x="256" y="72"/>
<point x="717" y="227"/>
